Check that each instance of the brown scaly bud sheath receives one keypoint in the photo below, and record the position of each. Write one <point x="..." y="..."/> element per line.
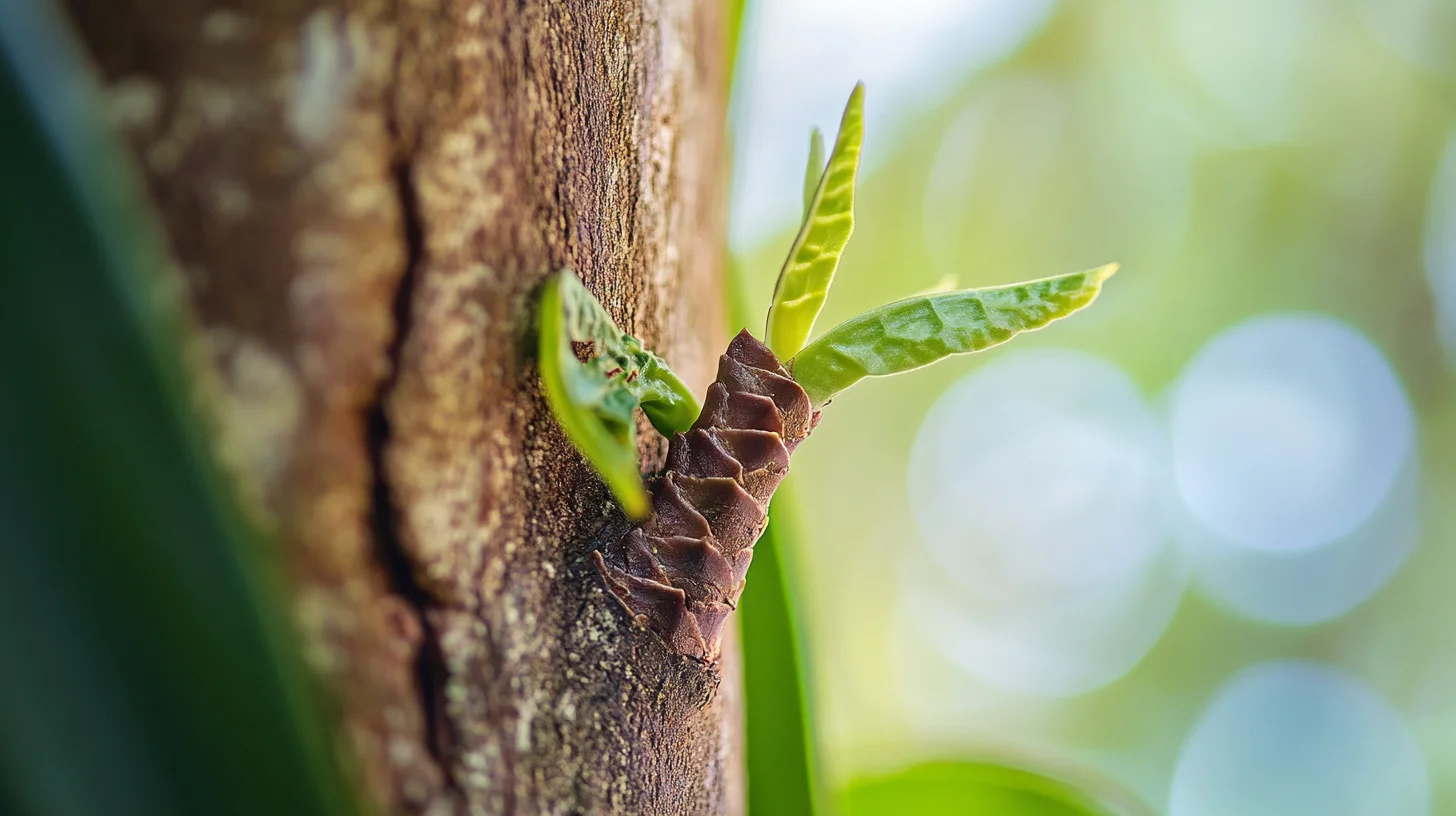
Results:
<point x="682" y="570"/>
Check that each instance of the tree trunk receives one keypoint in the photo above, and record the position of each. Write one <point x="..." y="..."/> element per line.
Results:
<point x="360" y="201"/>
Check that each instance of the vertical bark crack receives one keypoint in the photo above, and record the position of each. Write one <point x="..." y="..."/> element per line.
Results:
<point x="429" y="662"/>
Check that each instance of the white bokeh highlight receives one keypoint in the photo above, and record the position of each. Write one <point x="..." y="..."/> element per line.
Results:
<point x="1420" y="31"/>
<point x="1036" y="486"/>
<point x="1440" y="248"/>
<point x="1247" y="55"/>
<point x="1293" y="449"/>
<point x="801" y="58"/>
<point x="1293" y="738"/>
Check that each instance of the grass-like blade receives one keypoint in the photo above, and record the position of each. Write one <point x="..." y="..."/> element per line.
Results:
<point x="814" y="170"/>
<point x="804" y="281"/>
<point x="918" y="331"/>
<point x="783" y="773"/>
<point x="596" y="376"/>
<point x="149" y="667"/>
<point x="987" y="789"/>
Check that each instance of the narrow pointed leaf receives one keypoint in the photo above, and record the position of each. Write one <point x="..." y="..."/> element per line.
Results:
<point x="918" y="331"/>
<point x="779" y="722"/>
<point x="595" y="398"/>
<point x="814" y="172"/>
<point x="809" y="270"/>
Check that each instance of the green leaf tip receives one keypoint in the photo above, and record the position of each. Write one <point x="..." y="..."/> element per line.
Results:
<point x="808" y="271"/>
<point x="921" y="330"/>
<point x="594" y="399"/>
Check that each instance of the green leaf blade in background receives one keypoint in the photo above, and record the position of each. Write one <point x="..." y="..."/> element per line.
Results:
<point x="150" y="668"/>
<point x="972" y="788"/>
<point x="783" y="773"/>
<point x="918" y="331"/>
<point x="807" y="273"/>
<point x="813" y="171"/>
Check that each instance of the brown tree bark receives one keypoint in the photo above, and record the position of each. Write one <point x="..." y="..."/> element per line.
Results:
<point x="361" y="199"/>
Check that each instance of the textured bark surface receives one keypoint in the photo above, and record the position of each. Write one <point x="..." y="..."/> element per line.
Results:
<point x="360" y="200"/>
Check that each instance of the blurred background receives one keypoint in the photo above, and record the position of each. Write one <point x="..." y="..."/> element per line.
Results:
<point x="1197" y="538"/>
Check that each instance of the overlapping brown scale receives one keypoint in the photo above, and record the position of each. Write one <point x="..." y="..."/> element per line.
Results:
<point x="734" y="517"/>
<point x="710" y="616"/>
<point x="752" y="449"/>
<point x="682" y="571"/>
<point x="725" y="409"/>
<point x="696" y="560"/>
<point x="673" y="513"/>
<point x="662" y="607"/>
<point x="788" y="397"/>
<point x="746" y="349"/>
<point x="642" y="559"/>
<point x="702" y="455"/>
<point x="738" y="566"/>
<point x="764" y="459"/>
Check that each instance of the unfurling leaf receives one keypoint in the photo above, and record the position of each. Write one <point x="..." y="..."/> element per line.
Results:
<point x="828" y="220"/>
<point x="918" y="331"/>
<point x="594" y="398"/>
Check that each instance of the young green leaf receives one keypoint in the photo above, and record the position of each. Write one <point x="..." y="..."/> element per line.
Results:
<point x="828" y="221"/>
<point x="918" y="331"/>
<point x="596" y="414"/>
<point x="594" y="399"/>
<point x="665" y="399"/>
<point x="814" y="171"/>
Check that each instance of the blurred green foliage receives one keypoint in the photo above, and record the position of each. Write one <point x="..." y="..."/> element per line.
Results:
<point x="783" y="768"/>
<point x="974" y="789"/>
<point x="148" y="668"/>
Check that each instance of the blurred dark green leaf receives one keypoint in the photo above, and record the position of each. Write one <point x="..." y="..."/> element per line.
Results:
<point x="981" y="789"/>
<point x="783" y="777"/>
<point x="148" y="668"/>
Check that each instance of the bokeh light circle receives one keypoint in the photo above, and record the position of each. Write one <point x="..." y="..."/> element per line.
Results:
<point x="1293" y="738"/>
<point x="1248" y="55"/>
<point x="1420" y="31"/>
<point x="1036" y="485"/>
<point x="1288" y="431"/>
